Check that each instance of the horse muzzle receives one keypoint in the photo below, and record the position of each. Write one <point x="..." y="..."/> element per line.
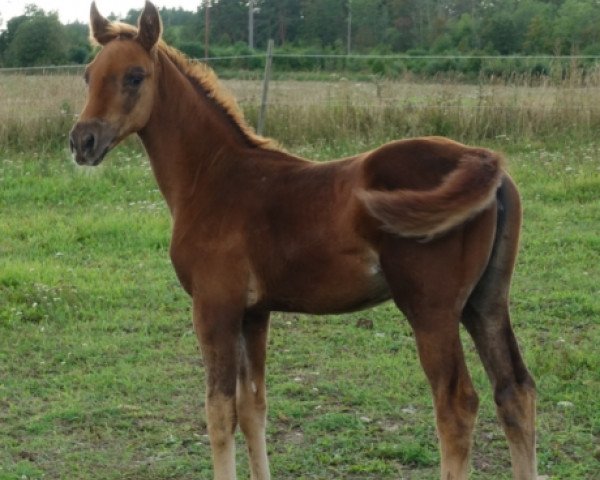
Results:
<point x="90" y="141"/>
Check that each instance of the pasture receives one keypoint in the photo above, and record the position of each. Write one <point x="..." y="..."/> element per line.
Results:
<point x="100" y="375"/>
<point x="37" y="111"/>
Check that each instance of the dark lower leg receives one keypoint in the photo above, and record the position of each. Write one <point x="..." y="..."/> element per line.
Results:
<point x="515" y="406"/>
<point x="514" y="388"/>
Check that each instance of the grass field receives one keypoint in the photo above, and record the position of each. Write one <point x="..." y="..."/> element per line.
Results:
<point x="100" y="376"/>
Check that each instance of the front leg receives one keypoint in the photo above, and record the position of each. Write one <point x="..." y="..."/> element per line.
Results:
<point x="252" y="392"/>
<point x="218" y="327"/>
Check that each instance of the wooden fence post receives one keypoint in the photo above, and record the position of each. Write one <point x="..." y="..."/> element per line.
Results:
<point x="265" y="90"/>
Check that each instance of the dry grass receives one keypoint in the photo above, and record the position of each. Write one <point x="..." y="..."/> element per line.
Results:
<point x="312" y="112"/>
<point x="37" y="111"/>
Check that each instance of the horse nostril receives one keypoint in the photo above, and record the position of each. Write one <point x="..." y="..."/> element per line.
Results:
<point x="89" y="142"/>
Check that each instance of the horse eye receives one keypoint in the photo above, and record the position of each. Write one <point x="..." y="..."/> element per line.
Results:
<point x="133" y="80"/>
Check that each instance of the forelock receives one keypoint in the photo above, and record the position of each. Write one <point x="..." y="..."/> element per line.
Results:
<point x="113" y="31"/>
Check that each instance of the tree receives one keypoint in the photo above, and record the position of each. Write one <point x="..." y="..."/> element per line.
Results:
<point x="78" y="44"/>
<point x="501" y="32"/>
<point x="8" y="35"/>
<point x="539" y="37"/>
<point x="324" y="22"/>
<point x="38" y="40"/>
<point x="403" y="33"/>
<point x="533" y="21"/>
<point x="370" y="23"/>
<point x="506" y="27"/>
<point x="577" y="24"/>
<point x="464" y="33"/>
<point x="132" y="16"/>
<point x="280" y="20"/>
<point x="229" y="21"/>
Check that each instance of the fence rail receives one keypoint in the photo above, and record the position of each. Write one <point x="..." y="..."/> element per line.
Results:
<point x="323" y="56"/>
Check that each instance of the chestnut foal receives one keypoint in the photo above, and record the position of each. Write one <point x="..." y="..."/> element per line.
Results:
<point x="427" y="222"/>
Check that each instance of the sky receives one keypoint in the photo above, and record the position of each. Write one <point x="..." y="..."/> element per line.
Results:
<point x="70" y="11"/>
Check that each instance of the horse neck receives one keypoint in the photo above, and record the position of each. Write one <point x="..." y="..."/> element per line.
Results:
<point x="189" y="138"/>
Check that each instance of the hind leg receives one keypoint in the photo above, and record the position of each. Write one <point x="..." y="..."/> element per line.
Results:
<point x="488" y="323"/>
<point x="454" y="396"/>
<point x="486" y="317"/>
<point x="432" y="299"/>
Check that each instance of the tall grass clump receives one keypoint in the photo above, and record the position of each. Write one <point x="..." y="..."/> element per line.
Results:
<point x="37" y="111"/>
<point x="382" y="110"/>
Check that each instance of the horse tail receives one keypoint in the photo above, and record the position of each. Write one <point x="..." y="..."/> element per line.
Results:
<point x="467" y="190"/>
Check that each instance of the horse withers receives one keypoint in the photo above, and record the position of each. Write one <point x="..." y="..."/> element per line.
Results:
<point x="427" y="222"/>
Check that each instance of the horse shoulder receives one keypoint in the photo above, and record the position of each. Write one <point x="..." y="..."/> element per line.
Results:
<point x="208" y="254"/>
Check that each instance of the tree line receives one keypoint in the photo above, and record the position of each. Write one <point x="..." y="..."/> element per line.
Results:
<point x="434" y="27"/>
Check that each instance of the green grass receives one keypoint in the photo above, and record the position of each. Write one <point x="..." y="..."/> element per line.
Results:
<point x="100" y="375"/>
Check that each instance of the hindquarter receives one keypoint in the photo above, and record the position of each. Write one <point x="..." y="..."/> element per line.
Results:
<point x="438" y="274"/>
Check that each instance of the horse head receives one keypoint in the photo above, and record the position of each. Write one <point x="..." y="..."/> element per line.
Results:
<point x="121" y="84"/>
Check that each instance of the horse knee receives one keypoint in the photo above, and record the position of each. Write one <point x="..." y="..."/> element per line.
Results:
<point x="515" y="402"/>
<point x="252" y="414"/>
<point x="221" y="416"/>
<point x="457" y="412"/>
<point x="512" y="392"/>
<point x="251" y="402"/>
<point x="465" y="404"/>
<point x="468" y="407"/>
<point x="470" y="401"/>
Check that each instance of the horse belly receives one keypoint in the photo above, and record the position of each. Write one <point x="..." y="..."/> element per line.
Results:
<point x="334" y="284"/>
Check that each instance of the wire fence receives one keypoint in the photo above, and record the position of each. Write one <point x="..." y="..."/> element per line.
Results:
<point x="333" y="99"/>
<point x="360" y="58"/>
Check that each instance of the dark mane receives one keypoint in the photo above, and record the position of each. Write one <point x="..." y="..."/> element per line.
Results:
<point x="204" y="78"/>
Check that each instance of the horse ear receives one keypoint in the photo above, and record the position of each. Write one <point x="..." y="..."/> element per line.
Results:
<point x="98" y="26"/>
<point x="149" y="26"/>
